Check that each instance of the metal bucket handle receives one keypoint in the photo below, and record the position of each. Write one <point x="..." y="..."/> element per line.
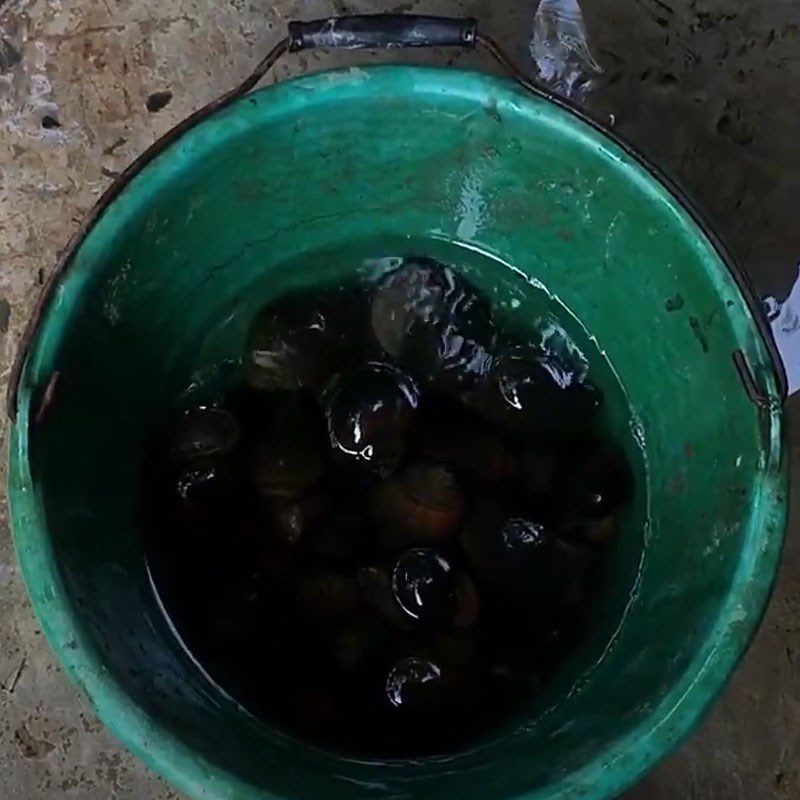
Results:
<point x="382" y="31"/>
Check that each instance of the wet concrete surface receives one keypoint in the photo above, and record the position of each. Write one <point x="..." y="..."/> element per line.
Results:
<point x="709" y="90"/>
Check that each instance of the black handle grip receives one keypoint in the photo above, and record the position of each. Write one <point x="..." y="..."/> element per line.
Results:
<point x="382" y="31"/>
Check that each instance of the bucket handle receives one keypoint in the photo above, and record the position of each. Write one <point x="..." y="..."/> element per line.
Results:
<point x="384" y="31"/>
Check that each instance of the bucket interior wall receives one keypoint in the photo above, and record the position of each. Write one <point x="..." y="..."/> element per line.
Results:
<point x="362" y="164"/>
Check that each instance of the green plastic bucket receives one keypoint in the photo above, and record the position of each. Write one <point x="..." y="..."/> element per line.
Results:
<point x="306" y="182"/>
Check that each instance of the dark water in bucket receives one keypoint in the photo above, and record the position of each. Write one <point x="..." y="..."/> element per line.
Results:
<point x="404" y="514"/>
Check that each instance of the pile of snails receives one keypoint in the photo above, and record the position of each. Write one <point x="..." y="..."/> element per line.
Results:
<point x="385" y="537"/>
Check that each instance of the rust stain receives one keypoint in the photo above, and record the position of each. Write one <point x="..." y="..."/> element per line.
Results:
<point x="47" y="397"/>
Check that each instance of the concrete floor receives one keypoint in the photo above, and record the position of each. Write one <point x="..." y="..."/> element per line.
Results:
<point x="709" y="90"/>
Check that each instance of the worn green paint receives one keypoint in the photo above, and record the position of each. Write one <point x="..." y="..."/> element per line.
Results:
<point x="327" y="163"/>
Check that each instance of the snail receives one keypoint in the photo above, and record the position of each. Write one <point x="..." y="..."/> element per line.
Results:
<point x="298" y="420"/>
<point x="420" y="588"/>
<point x="375" y="585"/>
<point x="291" y="518"/>
<point x="513" y="555"/>
<point x="366" y="412"/>
<point x="428" y="696"/>
<point x="529" y="391"/>
<point x="337" y="538"/>
<point x="423" y="504"/>
<point x="414" y="685"/>
<point x="431" y="591"/>
<point x="457" y="439"/>
<point x="287" y="456"/>
<point x="196" y="481"/>
<point x="201" y="492"/>
<point x="523" y="560"/>
<point x="434" y="323"/>
<point x="202" y="433"/>
<point x="300" y="340"/>
<point x="280" y="469"/>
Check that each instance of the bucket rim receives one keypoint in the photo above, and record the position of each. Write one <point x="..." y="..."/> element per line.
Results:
<point x="607" y="773"/>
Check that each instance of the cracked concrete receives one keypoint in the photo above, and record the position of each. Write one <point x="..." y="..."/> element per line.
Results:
<point x="708" y="88"/>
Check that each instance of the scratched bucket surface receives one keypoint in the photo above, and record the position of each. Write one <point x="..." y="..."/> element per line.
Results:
<point x="220" y="221"/>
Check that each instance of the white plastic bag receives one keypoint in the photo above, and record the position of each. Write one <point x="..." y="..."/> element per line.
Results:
<point x="560" y="49"/>
<point x="785" y="321"/>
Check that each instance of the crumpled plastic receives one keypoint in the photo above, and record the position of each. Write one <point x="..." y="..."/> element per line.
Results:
<point x="785" y="322"/>
<point x="560" y="49"/>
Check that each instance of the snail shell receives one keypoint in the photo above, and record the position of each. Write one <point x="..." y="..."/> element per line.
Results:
<point x="512" y="555"/>
<point x="434" y="323"/>
<point x="529" y="391"/>
<point x="281" y="470"/>
<point x="478" y="456"/>
<point x="423" y="504"/>
<point x="202" y="433"/>
<point x="432" y="592"/>
<point x="366" y="412"/>
<point x="297" y="340"/>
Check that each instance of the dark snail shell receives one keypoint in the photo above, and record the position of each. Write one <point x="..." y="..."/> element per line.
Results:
<point x="428" y="693"/>
<point x="280" y="469"/>
<point x="202" y="433"/>
<point x="431" y="591"/>
<point x="201" y="492"/>
<point x="433" y="323"/>
<point x="529" y="391"/>
<point x="477" y="455"/>
<point x="337" y="538"/>
<point x="375" y="585"/>
<point x="366" y="412"/>
<point x="511" y="554"/>
<point x="423" y="504"/>
<point x="298" y="340"/>
<point x="292" y="518"/>
<point x="298" y="420"/>
<point x="423" y="584"/>
<point x="414" y="685"/>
